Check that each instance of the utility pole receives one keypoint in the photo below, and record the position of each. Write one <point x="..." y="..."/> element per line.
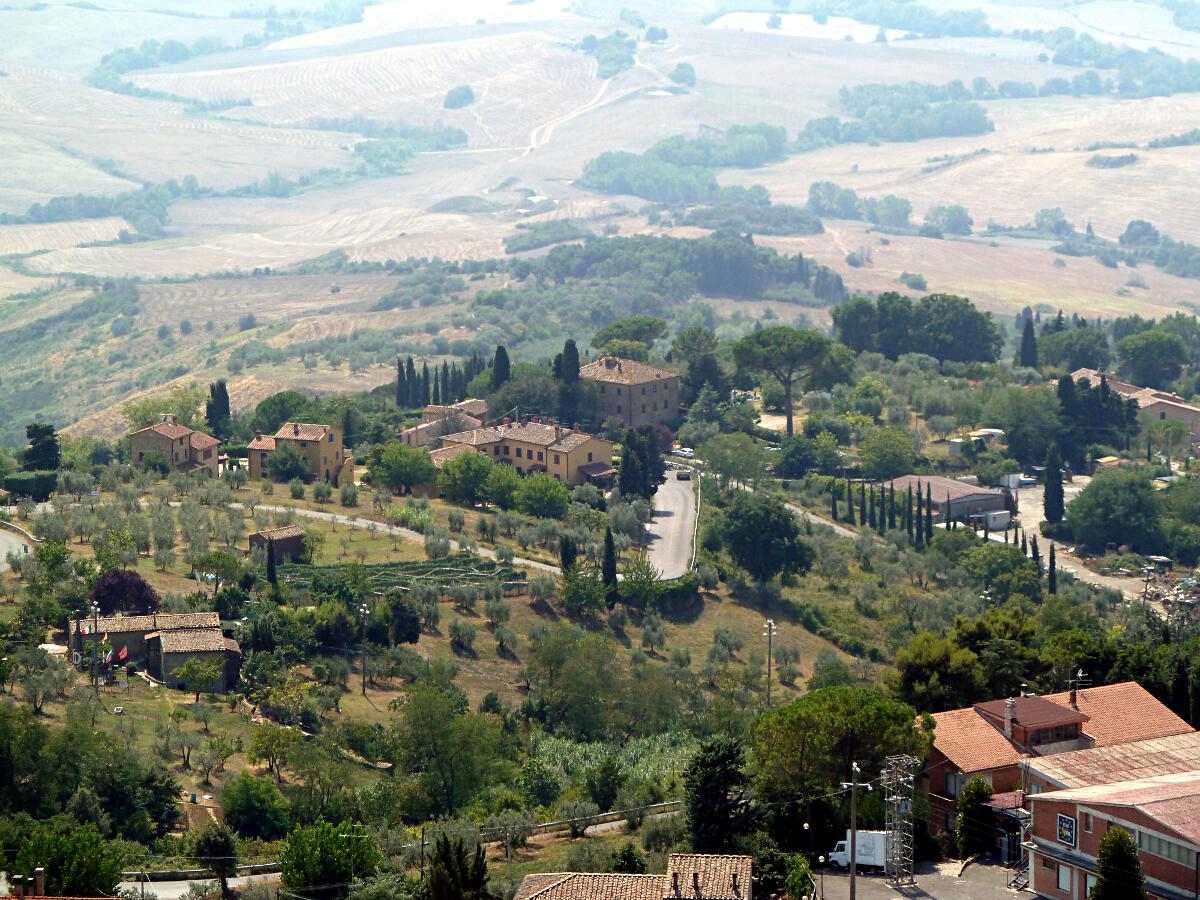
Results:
<point x="769" y="630"/>
<point x="853" y="787"/>
<point x="365" y="612"/>
<point x="95" y="647"/>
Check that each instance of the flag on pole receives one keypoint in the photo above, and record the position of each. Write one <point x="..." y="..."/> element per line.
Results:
<point x="108" y="657"/>
<point x="123" y="655"/>
<point x="105" y="638"/>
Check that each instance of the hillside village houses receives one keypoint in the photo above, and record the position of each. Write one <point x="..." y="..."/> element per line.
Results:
<point x="533" y="445"/>
<point x="1153" y="405"/>
<point x="161" y="642"/>
<point x="635" y="393"/>
<point x="184" y="449"/>
<point x="321" y="446"/>
<point x="438" y="420"/>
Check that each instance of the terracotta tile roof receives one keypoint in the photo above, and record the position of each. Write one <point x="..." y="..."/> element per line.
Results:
<point x="193" y="640"/>
<point x="168" y="430"/>
<point x="569" y="442"/>
<point x="616" y="370"/>
<point x="262" y="442"/>
<point x="1007" y="800"/>
<point x="1151" y="397"/>
<point x="941" y="487"/>
<point x="1119" y="762"/>
<point x="158" y="622"/>
<point x="468" y="407"/>
<point x="1120" y="713"/>
<point x="721" y="877"/>
<point x="592" y="886"/>
<point x="473" y="437"/>
<point x="278" y="534"/>
<point x="597" y="469"/>
<point x="202" y="441"/>
<point x="1115" y="384"/>
<point x="966" y="739"/>
<point x="1171" y="800"/>
<point x="443" y="454"/>
<point x="1032" y="712"/>
<point x="301" y="431"/>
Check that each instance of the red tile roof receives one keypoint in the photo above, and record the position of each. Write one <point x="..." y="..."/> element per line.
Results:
<point x="1120" y="713"/>
<point x="940" y="487"/>
<point x="278" y="534"/>
<point x="301" y="431"/>
<point x="168" y="430"/>
<point x="718" y="877"/>
<point x="202" y="441"/>
<point x="157" y="622"/>
<point x="443" y="454"/>
<point x="615" y="370"/>
<point x="1171" y="800"/>
<point x="966" y="739"/>
<point x="262" y="442"/>
<point x="1031" y="712"/>
<point x="193" y="640"/>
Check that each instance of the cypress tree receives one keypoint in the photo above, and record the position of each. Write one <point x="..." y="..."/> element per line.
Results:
<point x="908" y="518"/>
<point x="948" y="518"/>
<point x="862" y="502"/>
<point x="411" y="387"/>
<point x="272" y="578"/>
<point x="919" y="524"/>
<point x="437" y="388"/>
<point x="1053" y="491"/>
<point x="1024" y="544"/>
<point x="567" y="551"/>
<point x="608" y="567"/>
<point x="401" y="388"/>
<point x="892" y="507"/>
<point x="501" y="370"/>
<point x="446" y="398"/>
<point x="1052" y="573"/>
<point x="871" y="508"/>
<point x="849" y="502"/>
<point x="424" y="384"/>
<point x="1027" y="358"/>
<point x="1036" y="552"/>
<point x="833" y="510"/>
<point x="928" y="513"/>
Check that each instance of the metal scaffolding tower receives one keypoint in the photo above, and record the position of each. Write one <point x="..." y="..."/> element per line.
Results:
<point x="899" y="776"/>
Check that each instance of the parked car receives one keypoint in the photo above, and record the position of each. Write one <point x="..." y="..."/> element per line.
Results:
<point x="683" y="475"/>
<point x="683" y="452"/>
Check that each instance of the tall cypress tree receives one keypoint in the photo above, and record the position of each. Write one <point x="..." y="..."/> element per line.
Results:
<point x="833" y="509"/>
<point x="1052" y="573"/>
<point x="849" y="502"/>
<point x="1055" y="507"/>
<point x="412" y="387"/>
<point x="446" y="397"/>
<point x="948" y="518"/>
<point x="608" y="567"/>
<point x="862" y="502"/>
<point x="401" y="388"/>
<point x="1027" y="357"/>
<point x="424" y="384"/>
<point x="871" y="508"/>
<point x="272" y="578"/>
<point x="437" y="388"/>
<point x="928" y="513"/>
<point x="892" y="507"/>
<point x="908" y="509"/>
<point x="501" y="369"/>
<point x="217" y="411"/>
<point x="919" y="524"/>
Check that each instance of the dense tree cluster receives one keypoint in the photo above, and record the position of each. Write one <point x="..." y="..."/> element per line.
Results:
<point x="943" y="326"/>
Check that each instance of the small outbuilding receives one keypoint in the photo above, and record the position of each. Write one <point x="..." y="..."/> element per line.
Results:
<point x="288" y="541"/>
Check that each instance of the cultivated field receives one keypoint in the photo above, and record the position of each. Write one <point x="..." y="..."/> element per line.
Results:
<point x="1009" y="183"/>
<point x="55" y="235"/>
<point x="1004" y="278"/>
<point x="835" y="28"/>
<point x="408" y="83"/>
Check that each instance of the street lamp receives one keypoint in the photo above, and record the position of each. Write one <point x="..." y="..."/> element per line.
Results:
<point x="769" y="630"/>
<point x="365" y="612"/>
<point x="821" y="860"/>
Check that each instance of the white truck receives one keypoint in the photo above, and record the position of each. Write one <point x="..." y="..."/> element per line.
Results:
<point x="870" y="850"/>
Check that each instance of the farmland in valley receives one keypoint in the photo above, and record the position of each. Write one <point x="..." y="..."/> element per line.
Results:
<point x="540" y="111"/>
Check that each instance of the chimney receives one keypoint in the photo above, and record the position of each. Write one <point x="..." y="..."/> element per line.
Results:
<point x="557" y="432"/>
<point x="18" y="885"/>
<point x="696" y="882"/>
<point x="1010" y="716"/>
<point x="1074" y="703"/>
<point x="295" y="428"/>
<point x="39" y="882"/>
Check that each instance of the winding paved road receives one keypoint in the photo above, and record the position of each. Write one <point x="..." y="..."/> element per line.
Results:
<point x="9" y="541"/>
<point x="673" y="526"/>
